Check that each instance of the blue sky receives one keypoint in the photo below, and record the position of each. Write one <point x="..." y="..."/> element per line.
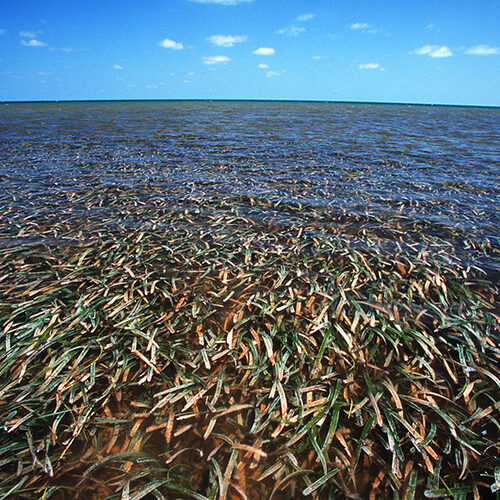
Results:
<point x="427" y="51"/>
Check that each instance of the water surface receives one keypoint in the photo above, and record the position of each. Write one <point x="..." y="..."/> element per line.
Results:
<point x="434" y="169"/>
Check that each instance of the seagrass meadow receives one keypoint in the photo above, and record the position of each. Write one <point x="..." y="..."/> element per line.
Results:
<point x="187" y="327"/>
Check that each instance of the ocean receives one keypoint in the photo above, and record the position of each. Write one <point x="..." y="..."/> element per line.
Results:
<point x="415" y="169"/>
<point x="259" y="299"/>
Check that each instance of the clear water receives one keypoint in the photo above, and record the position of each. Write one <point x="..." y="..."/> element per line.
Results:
<point x="433" y="166"/>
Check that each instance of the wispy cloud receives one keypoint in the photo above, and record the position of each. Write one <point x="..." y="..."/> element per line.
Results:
<point x="28" y="34"/>
<point x="264" y="51"/>
<point x="360" y="26"/>
<point x="117" y="66"/>
<point x="363" y="27"/>
<point x="222" y="2"/>
<point x="430" y="27"/>
<point x="2" y="31"/>
<point x="305" y="17"/>
<point x="318" y="57"/>
<point x="167" y="43"/>
<point x="226" y="40"/>
<point x="263" y="66"/>
<point x="291" y="31"/>
<point x="433" y="51"/>
<point x="211" y="60"/>
<point x="33" y="42"/>
<point x="271" y="73"/>
<point x="483" y="50"/>
<point x="372" y="65"/>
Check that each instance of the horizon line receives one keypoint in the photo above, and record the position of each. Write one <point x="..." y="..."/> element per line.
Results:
<point x="319" y="101"/>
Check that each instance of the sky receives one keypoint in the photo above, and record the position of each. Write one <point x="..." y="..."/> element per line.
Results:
<point x="416" y="51"/>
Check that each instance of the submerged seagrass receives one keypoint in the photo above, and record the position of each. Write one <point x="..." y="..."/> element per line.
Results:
<point x="248" y="300"/>
<point x="219" y="356"/>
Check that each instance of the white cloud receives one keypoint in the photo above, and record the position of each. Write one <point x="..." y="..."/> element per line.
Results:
<point x="434" y="51"/>
<point x="305" y="17"/>
<point x="363" y="27"/>
<point x="483" y="50"/>
<point x="270" y="73"/>
<point x="222" y="2"/>
<point x="317" y="58"/>
<point x="226" y="40"/>
<point x="210" y="60"/>
<point x="263" y="51"/>
<point x="263" y="66"/>
<point x="43" y="73"/>
<point x="33" y="43"/>
<point x="2" y="32"/>
<point x="372" y="65"/>
<point x="27" y="34"/>
<point x="430" y="27"/>
<point x="291" y="31"/>
<point x="117" y="66"/>
<point x="166" y="43"/>
<point x="360" y="26"/>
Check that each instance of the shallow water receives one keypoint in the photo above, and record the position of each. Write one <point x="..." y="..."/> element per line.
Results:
<point x="432" y="166"/>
